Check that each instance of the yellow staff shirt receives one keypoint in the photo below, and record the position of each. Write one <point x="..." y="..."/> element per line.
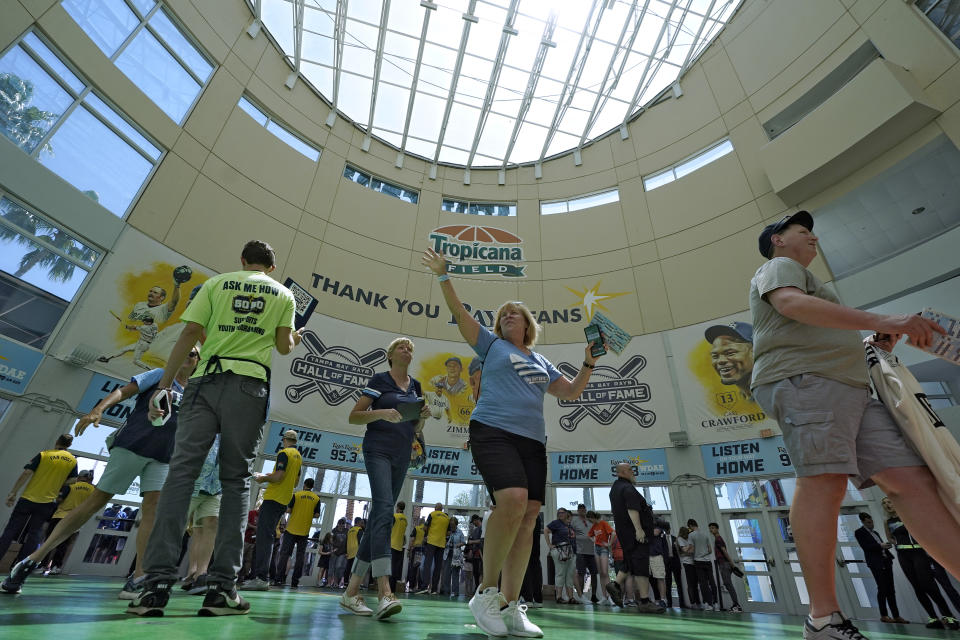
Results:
<point x="438" y="522"/>
<point x="79" y="491"/>
<point x="289" y="459"/>
<point x="304" y="506"/>
<point x="398" y="531"/>
<point x="353" y="541"/>
<point x="50" y="470"/>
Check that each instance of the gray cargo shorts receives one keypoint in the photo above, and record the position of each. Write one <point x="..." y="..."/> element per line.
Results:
<point x="833" y="427"/>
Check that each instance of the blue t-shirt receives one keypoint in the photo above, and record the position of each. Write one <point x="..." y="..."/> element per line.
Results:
<point x="512" y="386"/>
<point x="561" y="533"/>
<point x="139" y="435"/>
<point x="393" y="438"/>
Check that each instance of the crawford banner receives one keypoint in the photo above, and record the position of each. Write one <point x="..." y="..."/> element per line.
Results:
<point x="714" y="364"/>
<point x="130" y="313"/>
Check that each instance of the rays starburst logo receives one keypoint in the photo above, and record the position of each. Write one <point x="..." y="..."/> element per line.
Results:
<point x="592" y="299"/>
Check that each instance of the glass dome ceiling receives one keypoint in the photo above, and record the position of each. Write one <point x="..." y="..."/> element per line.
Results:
<point x="491" y="83"/>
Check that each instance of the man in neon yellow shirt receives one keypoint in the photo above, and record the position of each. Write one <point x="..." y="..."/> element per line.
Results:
<point x="245" y="315"/>
<point x="437" y="524"/>
<point x="303" y="507"/>
<point x="280" y="485"/>
<point x="397" y="535"/>
<point x="44" y="475"/>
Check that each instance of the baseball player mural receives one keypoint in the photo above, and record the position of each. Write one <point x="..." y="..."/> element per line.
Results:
<point x="149" y="315"/>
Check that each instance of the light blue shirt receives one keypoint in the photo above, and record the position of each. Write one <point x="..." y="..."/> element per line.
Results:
<point x="512" y="386"/>
<point x="209" y="479"/>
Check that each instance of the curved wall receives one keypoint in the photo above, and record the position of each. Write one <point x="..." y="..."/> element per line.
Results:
<point x="684" y="252"/>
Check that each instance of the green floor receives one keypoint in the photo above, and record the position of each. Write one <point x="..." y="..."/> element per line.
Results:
<point x="70" y="608"/>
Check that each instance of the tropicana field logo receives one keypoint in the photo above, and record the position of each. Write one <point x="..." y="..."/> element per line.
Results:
<point x="473" y="249"/>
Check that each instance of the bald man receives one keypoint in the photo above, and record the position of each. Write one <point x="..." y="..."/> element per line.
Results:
<point x="633" y="520"/>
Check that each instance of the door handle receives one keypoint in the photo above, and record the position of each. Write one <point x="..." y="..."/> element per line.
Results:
<point x="771" y="561"/>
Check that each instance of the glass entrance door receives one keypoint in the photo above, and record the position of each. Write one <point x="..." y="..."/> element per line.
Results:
<point x="106" y="546"/>
<point x="856" y="587"/>
<point x="750" y="538"/>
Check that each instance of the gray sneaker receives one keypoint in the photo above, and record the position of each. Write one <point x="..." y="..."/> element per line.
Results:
<point x="257" y="584"/>
<point x="131" y="588"/>
<point x="839" y="628"/>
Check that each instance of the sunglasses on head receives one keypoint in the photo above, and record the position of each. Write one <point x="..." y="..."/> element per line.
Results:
<point x="194" y="354"/>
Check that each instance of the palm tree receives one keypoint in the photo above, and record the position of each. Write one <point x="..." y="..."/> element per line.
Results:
<point x="24" y="124"/>
<point x="59" y="269"/>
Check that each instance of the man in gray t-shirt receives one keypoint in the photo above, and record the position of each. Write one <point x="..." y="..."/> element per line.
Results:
<point x="703" y="564"/>
<point x="809" y="374"/>
<point x="586" y="553"/>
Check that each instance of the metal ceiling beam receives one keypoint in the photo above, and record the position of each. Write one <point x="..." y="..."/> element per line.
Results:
<point x="576" y="70"/>
<point x="546" y="43"/>
<point x="297" y="42"/>
<point x="427" y="8"/>
<point x="339" y="35"/>
<point x="696" y="39"/>
<point x="604" y="91"/>
<point x="377" y="64"/>
<point x="493" y="83"/>
<point x="254" y="29"/>
<point x="641" y="85"/>
<point x="468" y="19"/>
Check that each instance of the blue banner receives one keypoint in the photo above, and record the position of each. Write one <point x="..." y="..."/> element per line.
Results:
<point x="99" y="388"/>
<point x="746" y="458"/>
<point x="599" y="467"/>
<point x="342" y="451"/>
<point x="17" y="365"/>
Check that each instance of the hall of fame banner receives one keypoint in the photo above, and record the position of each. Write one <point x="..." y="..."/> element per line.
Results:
<point x="628" y="404"/>
<point x="130" y="313"/>
<point x="714" y="363"/>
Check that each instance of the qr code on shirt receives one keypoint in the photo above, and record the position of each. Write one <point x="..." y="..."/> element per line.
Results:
<point x="302" y="298"/>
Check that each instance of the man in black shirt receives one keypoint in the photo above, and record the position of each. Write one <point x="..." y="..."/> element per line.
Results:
<point x="633" y="521"/>
<point x="880" y="562"/>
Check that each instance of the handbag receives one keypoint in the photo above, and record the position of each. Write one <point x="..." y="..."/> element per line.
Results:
<point x="564" y="552"/>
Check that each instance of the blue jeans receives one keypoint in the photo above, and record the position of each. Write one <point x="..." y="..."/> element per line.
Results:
<point x="385" y="473"/>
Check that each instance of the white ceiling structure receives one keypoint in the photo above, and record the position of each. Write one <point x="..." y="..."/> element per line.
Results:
<point x="491" y="83"/>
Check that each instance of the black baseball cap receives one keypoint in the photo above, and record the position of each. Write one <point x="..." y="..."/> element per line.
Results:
<point x="802" y="218"/>
<point x="741" y="330"/>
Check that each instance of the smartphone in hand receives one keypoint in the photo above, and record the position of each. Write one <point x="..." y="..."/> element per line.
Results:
<point x="595" y="340"/>
<point x="161" y="400"/>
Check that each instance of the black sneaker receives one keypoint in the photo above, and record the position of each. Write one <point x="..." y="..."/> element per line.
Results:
<point x="615" y="591"/>
<point x="220" y="602"/>
<point x="199" y="586"/>
<point x="18" y="575"/>
<point x="934" y="623"/>
<point x="150" y="602"/>
<point x="839" y="628"/>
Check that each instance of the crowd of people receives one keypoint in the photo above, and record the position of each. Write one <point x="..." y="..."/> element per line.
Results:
<point x="809" y="375"/>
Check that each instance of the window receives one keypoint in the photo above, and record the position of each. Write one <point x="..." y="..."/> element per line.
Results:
<point x="453" y="494"/>
<point x="938" y="394"/>
<point x="144" y="42"/>
<point x="41" y="269"/>
<point x="279" y="130"/>
<point x="945" y="16"/>
<point x="479" y="208"/>
<point x="55" y="117"/>
<point x="583" y="202"/>
<point x="365" y="179"/>
<point x="598" y="498"/>
<point x="687" y="166"/>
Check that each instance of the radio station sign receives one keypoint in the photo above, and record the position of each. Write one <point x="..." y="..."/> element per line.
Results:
<point x="99" y="388"/>
<point x="746" y="458"/>
<point x="17" y="365"/>
<point x="599" y="467"/>
<point x="342" y="451"/>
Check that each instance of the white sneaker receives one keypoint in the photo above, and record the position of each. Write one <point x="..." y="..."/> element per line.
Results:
<point x="485" y="607"/>
<point x="388" y="606"/>
<point x="256" y="584"/>
<point x="355" y="605"/>
<point x="515" y="620"/>
<point x="534" y="605"/>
